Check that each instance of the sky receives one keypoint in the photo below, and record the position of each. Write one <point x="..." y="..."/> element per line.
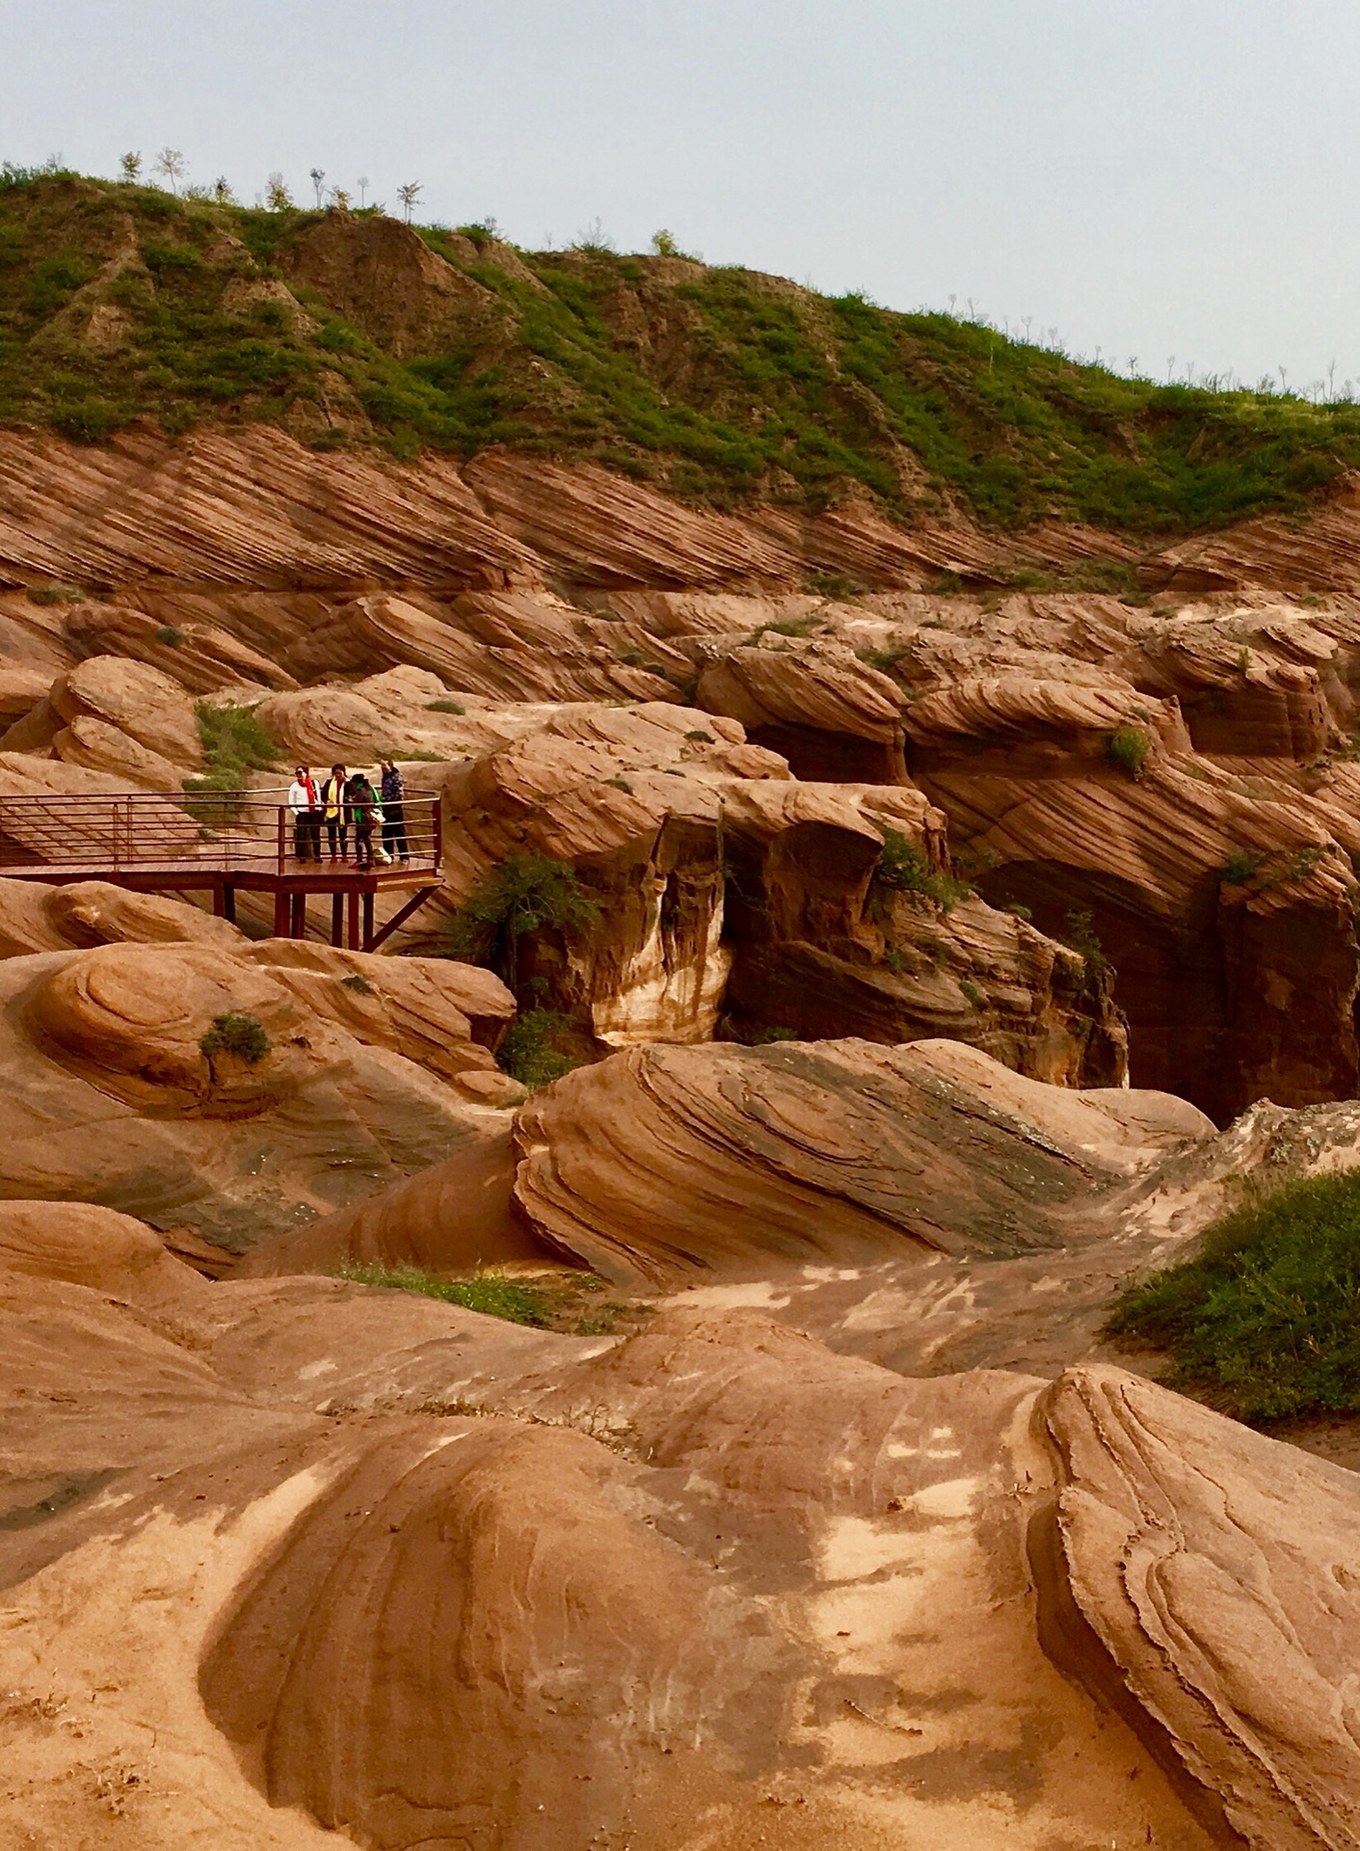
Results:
<point x="1159" y="181"/>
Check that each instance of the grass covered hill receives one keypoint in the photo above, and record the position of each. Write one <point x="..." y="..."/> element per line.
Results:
<point x="718" y="385"/>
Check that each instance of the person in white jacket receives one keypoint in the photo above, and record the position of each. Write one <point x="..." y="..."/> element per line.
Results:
<point x="305" y="805"/>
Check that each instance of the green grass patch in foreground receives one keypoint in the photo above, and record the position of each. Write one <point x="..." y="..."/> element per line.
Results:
<point x="1265" y="1322"/>
<point x="494" y="1294"/>
<point x="576" y="1302"/>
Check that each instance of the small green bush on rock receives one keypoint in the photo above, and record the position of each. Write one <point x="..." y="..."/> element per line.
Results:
<point x="1265" y="1321"/>
<point x="1128" y="747"/>
<point x="236" y="1033"/>
<point x="903" y="868"/>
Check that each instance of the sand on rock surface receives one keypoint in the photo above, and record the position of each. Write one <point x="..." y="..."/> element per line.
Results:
<point x="686" y="1591"/>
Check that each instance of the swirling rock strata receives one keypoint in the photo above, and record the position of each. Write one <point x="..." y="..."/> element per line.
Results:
<point x="836" y="1153"/>
<point x="1211" y="1580"/>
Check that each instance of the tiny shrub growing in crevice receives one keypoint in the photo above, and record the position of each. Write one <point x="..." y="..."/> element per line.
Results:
<point x="903" y="868"/>
<point x="527" y="1052"/>
<point x="1128" y="746"/>
<point x="236" y="1033"/>
<point x="518" y="897"/>
<point x="1079" y="934"/>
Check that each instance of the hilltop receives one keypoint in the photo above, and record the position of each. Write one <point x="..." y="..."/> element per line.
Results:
<point x="719" y="386"/>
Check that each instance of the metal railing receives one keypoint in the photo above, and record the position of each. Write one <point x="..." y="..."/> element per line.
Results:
<point x="208" y="832"/>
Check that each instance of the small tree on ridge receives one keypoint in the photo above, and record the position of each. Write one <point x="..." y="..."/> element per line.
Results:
<point x="170" y="163"/>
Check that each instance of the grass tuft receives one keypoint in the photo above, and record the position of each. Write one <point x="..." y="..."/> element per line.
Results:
<point x="493" y="1294"/>
<point x="1128" y="746"/>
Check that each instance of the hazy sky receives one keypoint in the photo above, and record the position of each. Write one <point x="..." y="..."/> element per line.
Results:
<point x="1151" y="177"/>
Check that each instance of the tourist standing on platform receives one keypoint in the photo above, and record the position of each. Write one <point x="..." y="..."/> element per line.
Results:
<point x="362" y="801"/>
<point x="305" y="806"/>
<point x="394" y="812"/>
<point x="333" y="807"/>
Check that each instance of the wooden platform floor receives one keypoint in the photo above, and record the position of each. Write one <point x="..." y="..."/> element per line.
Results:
<point x="351" y="890"/>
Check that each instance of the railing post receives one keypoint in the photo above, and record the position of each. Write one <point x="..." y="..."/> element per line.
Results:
<point x="281" y="814"/>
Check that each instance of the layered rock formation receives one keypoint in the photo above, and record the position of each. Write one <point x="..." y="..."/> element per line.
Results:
<point x="453" y="1532"/>
<point x="114" y="1097"/>
<point x="885" y="884"/>
<point x="1208" y="865"/>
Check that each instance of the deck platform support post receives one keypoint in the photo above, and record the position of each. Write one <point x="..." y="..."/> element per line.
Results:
<point x="368" y="922"/>
<point x="337" y="919"/>
<point x="400" y="917"/>
<point x="280" y="915"/>
<point x="298" y="922"/>
<point x="352" y="937"/>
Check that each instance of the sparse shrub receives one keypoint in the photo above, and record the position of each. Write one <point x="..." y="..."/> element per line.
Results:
<point x="495" y="1295"/>
<point x="620" y="784"/>
<point x="234" y="742"/>
<point x="238" y="1034"/>
<point x="1128" y="746"/>
<point x="1241" y="865"/>
<point x="164" y="258"/>
<point x="445" y="707"/>
<point x="357" y="982"/>
<point x="768" y="1035"/>
<point x="170" y="634"/>
<point x="527" y="1052"/>
<point x="884" y="660"/>
<point x="697" y="736"/>
<point x="973" y="995"/>
<point x="903" y="868"/>
<point x="90" y="419"/>
<point x="838" y="585"/>
<point x="55" y="594"/>
<point x="783" y="626"/>
<point x="1018" y="910"/>
<point x="1079" y="934"/>
<point x="1265" y="1321"/>
<point x="520" y="896"/>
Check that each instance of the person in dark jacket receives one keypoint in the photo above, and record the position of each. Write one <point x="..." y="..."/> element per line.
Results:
<point x="394" y="812"/>
<point x="361" y="801"/>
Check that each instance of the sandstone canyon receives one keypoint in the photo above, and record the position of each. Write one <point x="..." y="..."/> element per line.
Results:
<point x="960" y="911"/>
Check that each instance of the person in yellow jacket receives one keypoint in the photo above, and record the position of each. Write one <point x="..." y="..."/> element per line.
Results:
<point x="333" y="808"/>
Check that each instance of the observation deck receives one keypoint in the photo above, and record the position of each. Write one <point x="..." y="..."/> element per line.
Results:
<point x="225" y="843"/>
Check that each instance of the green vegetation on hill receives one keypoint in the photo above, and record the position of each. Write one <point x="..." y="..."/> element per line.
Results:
<point x="120" y="301"/>
<point x="1265" y="1321"/>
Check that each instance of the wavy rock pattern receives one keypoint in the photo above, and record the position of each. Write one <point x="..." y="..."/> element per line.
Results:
<point x="1215" y="1582"/>
<point x="572" y="1572"/>
<point x="112" y="1099"/>
<point x="811" y="1154"/>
